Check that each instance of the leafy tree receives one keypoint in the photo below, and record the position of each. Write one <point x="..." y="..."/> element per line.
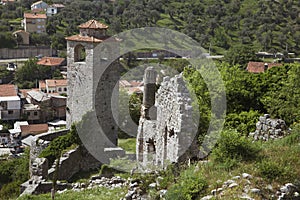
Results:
<point x="28" y="75"/>
<point x="241" y="55"/>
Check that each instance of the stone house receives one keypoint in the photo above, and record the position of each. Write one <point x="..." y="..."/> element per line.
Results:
<point x="10" y="102"/>
<point x="34" y="22"/>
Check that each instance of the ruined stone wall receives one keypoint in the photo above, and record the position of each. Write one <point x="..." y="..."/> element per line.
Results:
<point x="269" y="129"/>
<point x="72" y="162"/>
<point x="169" y="138"/>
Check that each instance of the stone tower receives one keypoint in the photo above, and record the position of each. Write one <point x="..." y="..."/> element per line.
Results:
<point x="85" y="62"/>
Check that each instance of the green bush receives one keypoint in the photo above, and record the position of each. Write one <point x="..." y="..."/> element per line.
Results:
<point x="232" y="145"/>
<point x="59" y="144"/>
<point x="190" y="185"/>
<point x="271" y="170"/>
<point x="244" y="122"/>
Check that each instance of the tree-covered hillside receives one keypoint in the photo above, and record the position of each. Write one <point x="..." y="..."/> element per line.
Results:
<point x="267" y="25"/>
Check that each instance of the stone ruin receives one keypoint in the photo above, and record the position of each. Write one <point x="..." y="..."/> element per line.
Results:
<point x="268" y="129"/>
<point x="166" y="129"/>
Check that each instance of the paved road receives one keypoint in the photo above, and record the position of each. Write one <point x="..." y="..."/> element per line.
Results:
<point x="13" y="60"/>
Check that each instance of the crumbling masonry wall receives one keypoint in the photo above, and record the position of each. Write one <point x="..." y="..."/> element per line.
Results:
<point x="168" y="138"/>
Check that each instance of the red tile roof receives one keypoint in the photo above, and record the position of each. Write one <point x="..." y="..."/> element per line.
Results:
<point x="33" y="129"/>
<point x="8" y="90"/>
<point x="35" y="16"/>
<point x="81" y="38"/>
<point x="54" y="83"/>
<point x="93" y="24"/>
<point x="51" y="61"/>
<point x="258" y="67"/>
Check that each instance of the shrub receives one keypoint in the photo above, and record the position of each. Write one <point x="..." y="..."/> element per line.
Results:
<point x="271" y="170"/>
<point x="232" y="145"/>
<point x="189" y="186"/>
<point x="244" y="122"/>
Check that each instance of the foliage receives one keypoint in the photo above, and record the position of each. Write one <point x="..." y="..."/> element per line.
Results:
<point x="241" y="55"/>
<point x="190" y="185"/>
<point x="244" y="122"/>
<point x="29" y="75"/>
<point x="271" y="170"/>
<point x="232" y="145"/>
<point x="99" y="193"/>
<point x="7" y="40"/>
<point x="59" y="144"/>
<point x="13" y="172"/>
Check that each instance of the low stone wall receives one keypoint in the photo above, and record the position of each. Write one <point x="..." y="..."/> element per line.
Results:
<point x="73" y="161"/>
<point x="268" y="129"/>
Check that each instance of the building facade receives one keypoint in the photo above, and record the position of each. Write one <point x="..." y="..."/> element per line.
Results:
<point x="10" y="102"/>
<point x="34" y="22"/>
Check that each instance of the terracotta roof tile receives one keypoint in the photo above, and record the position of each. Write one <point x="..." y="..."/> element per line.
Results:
<point x="83" y="38"/>
<point x="8" y="90"/>
<point x="51" y="61"/>
<point x="35" y="16"/>
<point x="258" y="67"/>
<point x="58" y="82"/>
<point x="33" y="129"/>
<point x="93" y="24"/>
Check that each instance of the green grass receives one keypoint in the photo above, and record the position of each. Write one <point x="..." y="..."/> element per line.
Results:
<point x="88" y="194"/>
<point x="127" y="144"/>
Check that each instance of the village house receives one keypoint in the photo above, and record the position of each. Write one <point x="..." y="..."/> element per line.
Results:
<point x="54" y="9"/>
<point x="34" y="22"/>
<point x="10" y="102"/>
<point x="53" y="86"/>
<point x="22" y="37"/>
<point x="53" y="62"/>
<point x="259" y="67"/>
<point x="44" y="107"/>
<point x="39" y="5"/>
<point x="33" y="129"/>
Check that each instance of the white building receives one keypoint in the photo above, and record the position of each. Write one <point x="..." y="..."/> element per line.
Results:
<point x="39" y="5"/>
<point x="10" y="102"/>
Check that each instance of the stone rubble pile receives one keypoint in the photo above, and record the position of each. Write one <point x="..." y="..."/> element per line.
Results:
<point x="269" y="129"/>
<point x="244" y="189"/>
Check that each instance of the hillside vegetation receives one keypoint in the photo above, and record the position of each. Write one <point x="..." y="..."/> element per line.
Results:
<point x="217" y="25"/>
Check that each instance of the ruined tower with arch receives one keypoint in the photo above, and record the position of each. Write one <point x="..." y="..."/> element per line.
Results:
<point x="85" y="65"/>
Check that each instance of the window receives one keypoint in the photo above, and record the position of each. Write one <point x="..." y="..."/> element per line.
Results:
<point x="65" y="89"/>
<point x="28" y="113"/>
<point x="59" y="89"/>
<point x="35" y="113"/>
<point x="79" y="53"/>
<point x="10" y="112"/>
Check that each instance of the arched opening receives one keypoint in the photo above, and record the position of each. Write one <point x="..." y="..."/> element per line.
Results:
<point x="79" y="53"/>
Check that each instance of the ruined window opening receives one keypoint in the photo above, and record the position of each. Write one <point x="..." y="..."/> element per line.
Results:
<point x="171" y="132"/>
<point x="151" y="146"/>
<point x="79" y="53"/>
